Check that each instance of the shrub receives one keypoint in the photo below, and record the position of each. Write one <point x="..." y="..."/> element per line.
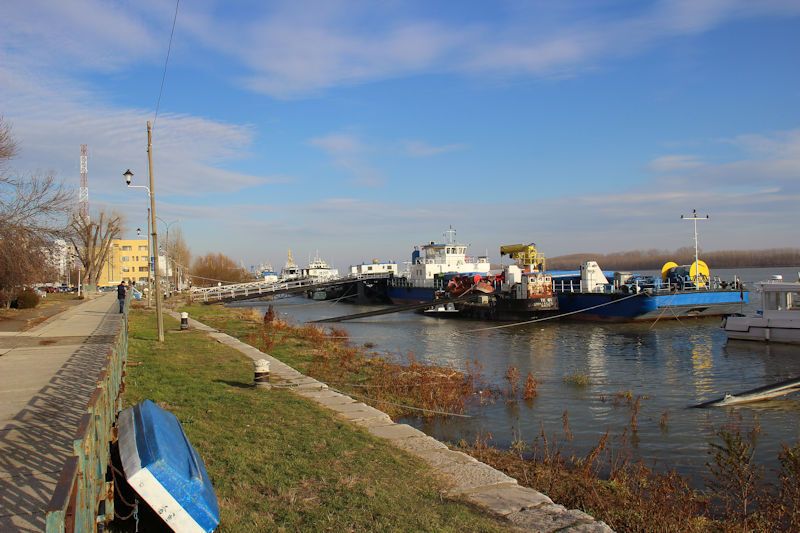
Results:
<point x="27" y="299"/>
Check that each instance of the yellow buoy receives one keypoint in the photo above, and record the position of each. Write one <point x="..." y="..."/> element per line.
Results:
<point x="699" y="269"/>
<point x="666" y="268"/>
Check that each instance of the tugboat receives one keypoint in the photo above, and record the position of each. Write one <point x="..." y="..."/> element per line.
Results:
<point x="432" y="267"/>
<point x="523" y="291"/>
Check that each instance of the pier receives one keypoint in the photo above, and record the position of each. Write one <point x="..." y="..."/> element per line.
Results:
<point x="59" y="388"/>
<point x="252" y="290"/>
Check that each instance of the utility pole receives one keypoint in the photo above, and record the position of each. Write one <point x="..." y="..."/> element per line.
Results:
<point x="150" y="263"/>
<point x="83" y="196"/>
<point x="695" y="218"/>
<point x="159" y="314"/>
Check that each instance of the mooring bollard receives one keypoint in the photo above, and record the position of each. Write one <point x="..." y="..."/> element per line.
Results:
<point x="261" y="376"/>
<point x="184" y="320"/>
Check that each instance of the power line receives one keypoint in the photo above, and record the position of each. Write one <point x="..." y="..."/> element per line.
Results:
<point x="166" y="62"/>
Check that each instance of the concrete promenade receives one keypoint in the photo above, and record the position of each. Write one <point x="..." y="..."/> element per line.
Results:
<point x="464" y="477"/>
<point x="47" y="375"/>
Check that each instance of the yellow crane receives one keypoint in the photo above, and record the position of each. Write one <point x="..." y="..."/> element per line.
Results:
<point x="525" y="255"/>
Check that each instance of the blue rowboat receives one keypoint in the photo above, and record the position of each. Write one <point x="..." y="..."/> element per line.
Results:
<point x="163" y="468"/>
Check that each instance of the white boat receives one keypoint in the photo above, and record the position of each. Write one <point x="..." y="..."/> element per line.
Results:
<point x="778" y="320"/>
<point x="430" y="265"/>
<point x="290" y="270"/>
<point x="319" y="270"/>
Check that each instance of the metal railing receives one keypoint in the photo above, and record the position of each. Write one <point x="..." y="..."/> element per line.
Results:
<point x="82" y="497"/>
<point x="654" y="286"/>
<point x="263" y="287"/>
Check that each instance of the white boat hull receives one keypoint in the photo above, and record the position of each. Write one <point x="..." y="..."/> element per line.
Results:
<point x="751" y="328"/>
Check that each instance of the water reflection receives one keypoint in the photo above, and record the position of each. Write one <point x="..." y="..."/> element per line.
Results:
<point x="671" y="365"/>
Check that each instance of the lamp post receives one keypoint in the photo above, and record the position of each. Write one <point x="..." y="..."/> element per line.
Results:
<point x="166" y="247"/>
<point x="128" y="177"/>
<point x="152" y="219"/>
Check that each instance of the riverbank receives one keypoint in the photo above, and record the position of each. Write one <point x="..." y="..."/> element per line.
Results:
<point x="607" y="483"/>
<point x="278" y="461"/>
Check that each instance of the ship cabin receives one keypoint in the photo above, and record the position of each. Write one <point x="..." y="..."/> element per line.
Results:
<point x="435" y="259"/>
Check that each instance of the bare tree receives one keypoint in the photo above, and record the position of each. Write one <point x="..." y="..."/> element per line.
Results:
<point x="180" y="255"/>
<point x="32" y="213"/>
<point x="213" y="268"/>
<point x="92" y="241"/>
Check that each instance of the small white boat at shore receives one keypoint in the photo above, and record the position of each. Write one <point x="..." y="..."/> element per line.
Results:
<point x="778" y="320"/>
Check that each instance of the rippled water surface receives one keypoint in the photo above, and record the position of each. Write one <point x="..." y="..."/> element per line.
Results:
<point x="671" y="365"/>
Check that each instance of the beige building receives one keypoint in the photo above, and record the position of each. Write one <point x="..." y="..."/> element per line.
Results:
<point x="127" y="260"/>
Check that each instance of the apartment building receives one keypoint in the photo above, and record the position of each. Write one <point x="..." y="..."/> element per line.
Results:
<point x="127" y="260"/>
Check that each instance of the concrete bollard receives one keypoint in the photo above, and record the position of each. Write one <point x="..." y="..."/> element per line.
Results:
<point x="184" y="320"/>
<point x="261" y="376"/>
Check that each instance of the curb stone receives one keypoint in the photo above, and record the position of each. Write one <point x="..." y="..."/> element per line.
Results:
<point x="467" y="478"/>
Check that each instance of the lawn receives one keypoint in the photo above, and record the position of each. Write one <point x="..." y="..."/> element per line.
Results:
<point x="279" y="462"/>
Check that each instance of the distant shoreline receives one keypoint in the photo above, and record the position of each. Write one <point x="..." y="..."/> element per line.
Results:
<point x="655" y="259"/>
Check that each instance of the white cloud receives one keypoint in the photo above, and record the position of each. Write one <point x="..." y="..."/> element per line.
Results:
<point x="670" y="163"/>
<point x="337" y="144"/>
<point x="423" y="149"/>
<point x="349" y="153"/>
<point x="761" y="160"/>
<point x="187" y="149"/>
<point x="295" y="50"/>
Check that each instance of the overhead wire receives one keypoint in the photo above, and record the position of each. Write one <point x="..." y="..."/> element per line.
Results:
<point x="166" y="62"/>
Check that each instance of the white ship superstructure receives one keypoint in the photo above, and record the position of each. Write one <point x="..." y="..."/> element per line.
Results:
<point x="319" y="269"/>
<point x="430" y="260"/>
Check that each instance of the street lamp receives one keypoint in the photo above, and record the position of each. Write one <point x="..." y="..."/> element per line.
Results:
<point x="166" y="246"/>
<point x="152" y="220"/>
<point x="128" y="174"/>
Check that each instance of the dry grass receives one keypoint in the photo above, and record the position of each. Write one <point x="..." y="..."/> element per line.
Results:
<point x="629" y="496"/>
<point x="397" y="388"/>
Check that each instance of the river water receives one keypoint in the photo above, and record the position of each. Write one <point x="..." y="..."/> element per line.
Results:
<point x="670" y="364"/>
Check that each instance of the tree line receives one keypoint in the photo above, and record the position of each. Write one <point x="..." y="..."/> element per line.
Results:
<point x="654" y="259"/>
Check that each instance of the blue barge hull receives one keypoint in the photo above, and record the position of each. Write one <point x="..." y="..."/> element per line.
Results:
<point x="618" y="307"/>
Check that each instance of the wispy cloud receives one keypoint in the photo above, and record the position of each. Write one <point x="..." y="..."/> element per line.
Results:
<point x="330" y="44"/>
<point x="759" y="160"/>
<point x="350" y="154"/>
<point x="423" y="149"/>
<point x="670" y="163"/>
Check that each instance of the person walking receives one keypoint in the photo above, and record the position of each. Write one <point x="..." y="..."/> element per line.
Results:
<point x="122" y="291"/>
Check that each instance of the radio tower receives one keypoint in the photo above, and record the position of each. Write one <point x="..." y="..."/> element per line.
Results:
<point x="83" y="196"/>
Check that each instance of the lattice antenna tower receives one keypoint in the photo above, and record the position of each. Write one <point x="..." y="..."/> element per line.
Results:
<point x="83" y="196"/>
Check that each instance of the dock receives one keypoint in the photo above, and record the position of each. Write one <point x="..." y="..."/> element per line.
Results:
<point x="57" y="384"/>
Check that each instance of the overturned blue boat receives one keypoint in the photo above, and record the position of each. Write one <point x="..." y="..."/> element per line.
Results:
<point x="163" y="468"/>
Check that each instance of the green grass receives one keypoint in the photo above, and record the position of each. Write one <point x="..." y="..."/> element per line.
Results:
<point x="279" y="462"/>
<point x="293" y="351"/>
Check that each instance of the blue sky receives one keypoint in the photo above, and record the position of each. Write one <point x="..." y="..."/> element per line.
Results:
<point x="362" y="128"/>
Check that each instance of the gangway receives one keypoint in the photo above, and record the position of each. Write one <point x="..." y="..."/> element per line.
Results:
<point x="258" y="289"/>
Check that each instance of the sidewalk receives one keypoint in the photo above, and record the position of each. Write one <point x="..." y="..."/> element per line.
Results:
<point x="47" y="375"/>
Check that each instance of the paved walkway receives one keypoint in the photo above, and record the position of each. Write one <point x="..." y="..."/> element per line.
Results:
<point x="47" y="375"/>
<point x="465" y="477"/>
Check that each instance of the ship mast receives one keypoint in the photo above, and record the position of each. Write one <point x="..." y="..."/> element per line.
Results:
<point x="695" y="218"/>
<point x="450" y="236"/>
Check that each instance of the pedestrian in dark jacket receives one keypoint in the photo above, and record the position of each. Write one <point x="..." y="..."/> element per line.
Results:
<point x="122" y="291"/>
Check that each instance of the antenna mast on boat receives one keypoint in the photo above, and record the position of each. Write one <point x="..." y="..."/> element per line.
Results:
<point x="695" y="218"/>
<point x="450" y="236"/>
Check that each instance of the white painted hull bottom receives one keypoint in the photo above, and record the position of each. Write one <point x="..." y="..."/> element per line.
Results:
<point x="762" y="329"/>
